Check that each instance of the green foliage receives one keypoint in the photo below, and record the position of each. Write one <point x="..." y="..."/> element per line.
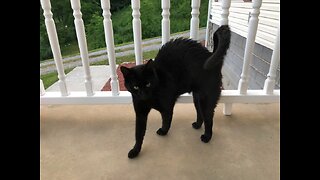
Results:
<point x="150" y="10"/>
<point x="151" y="18"/>
<point x="50" y="78"/>
<point x="117" y="5"/>
<point x="180" y="14"/>
<point x="122" y="25"/>
<point x="45" y="50"/>
<point x="95" y="32"/>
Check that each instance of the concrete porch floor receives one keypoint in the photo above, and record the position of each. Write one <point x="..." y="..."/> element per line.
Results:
<point x="82" y="142"/>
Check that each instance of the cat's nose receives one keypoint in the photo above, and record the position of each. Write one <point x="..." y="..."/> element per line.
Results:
<point x="142" y="95"/>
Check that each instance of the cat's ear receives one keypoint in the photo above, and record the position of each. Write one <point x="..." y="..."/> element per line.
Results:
<point x="150" y="67"/>
<point x="149" y="64"/>
<point x="125" y="71"/>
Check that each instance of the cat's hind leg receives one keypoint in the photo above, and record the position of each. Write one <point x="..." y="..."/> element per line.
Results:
<point x="207" y="105"/>
<point x="196" y="101"/>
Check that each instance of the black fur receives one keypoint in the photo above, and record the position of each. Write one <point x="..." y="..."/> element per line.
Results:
<point x="182" y="65"/>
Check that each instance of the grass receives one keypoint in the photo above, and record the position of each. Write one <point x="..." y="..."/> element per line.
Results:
<point x="71" y="49"/>
<point x="50" y="78"/>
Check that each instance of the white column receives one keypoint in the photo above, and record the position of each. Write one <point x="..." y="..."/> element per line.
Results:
<point x="55" y="47"/>
<point x="75" y="4"/>
<point x="108" y="31"/>
<point x="194" y="22"/>
<point x="208" y="21"/>
<point x="42" y="90"/>
<point x="275" y="59"/>
<point x="136" y="24"/>
<point x="227" y="107"/>
<point x="165" y="5"/>
<point x="252" y="31"/>
<point x="225" y="5"/>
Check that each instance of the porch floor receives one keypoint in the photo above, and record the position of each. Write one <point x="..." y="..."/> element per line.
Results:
<point x="81" y="142"/>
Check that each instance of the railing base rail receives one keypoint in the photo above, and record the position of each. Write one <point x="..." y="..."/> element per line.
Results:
<point x="100" y="97"/>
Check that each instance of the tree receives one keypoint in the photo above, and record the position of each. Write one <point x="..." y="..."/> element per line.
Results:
<point x="45" y="50"/>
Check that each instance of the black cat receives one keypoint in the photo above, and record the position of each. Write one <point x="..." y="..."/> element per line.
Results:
<point x="181" y="65"/>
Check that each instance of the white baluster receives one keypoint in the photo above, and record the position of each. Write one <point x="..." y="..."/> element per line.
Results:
<point x="194" y="22"/>
<point x="208" y="21"/>
<point x="136" y="24"/>
<point x="227" y="107"/>
<point x="165" y="5"/>
<point x="225" y="5"/>
<point x="75" y="4"/>
<point x="42" y="90"/>
<point x="108" y="31"/>
<point x="275" y="59"/>
<point x="55" y="47"/>
<point x="252" y="31"/>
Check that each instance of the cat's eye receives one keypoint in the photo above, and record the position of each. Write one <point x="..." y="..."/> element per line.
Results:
<point x="135" y="87"/>
<point x="148" y="85"/>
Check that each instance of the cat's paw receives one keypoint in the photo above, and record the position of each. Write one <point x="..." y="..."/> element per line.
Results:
<point x="161" y="132"/>
<point x="196" y="125"/>
<point x="133" y="153"/>
<point x="205" y="138"/>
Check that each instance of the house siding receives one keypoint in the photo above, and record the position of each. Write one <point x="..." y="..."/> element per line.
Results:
<point x="259" y="67"/>
<point x="239" y="14"/>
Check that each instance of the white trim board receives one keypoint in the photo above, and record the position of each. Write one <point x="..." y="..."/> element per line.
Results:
<point x="105" y="97"/>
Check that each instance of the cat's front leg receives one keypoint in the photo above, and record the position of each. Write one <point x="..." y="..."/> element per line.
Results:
<point x="141" y="123"/>
<point x="166" y="122"/>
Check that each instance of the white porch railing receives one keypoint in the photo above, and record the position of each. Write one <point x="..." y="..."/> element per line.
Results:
<point x="242" y="95"/>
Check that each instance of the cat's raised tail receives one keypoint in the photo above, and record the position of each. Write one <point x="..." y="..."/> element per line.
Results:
<point x="221" y="40"/>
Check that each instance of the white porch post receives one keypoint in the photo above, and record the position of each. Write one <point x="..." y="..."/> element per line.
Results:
<point x="275" y="59"/>
<point x="194" y="22"/>
<point x="136" y="24"/>
<point x="252" y="31"/>
<point x="165" y="5"/>
<point x="55" y="47"/>
<point x="227" y="107"/>
<point x="75" y="4"/>
<point x="225" y="6"/>
<point x="108" y="31"/>
<point x="208" y="21"/>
